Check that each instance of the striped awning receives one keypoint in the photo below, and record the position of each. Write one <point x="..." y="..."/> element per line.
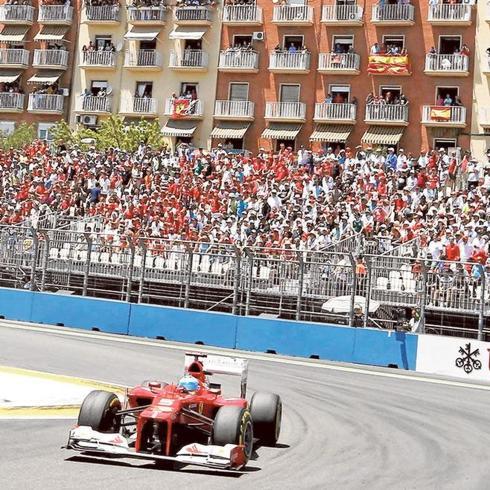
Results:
<point x="281" y="131"/>
<point x="44" y="78"/>
<point x="335" y="133"/>
<point x="383" y="135"/>
<point x="186" y="32"/>
<point x="229" y="129"/>
<point x="179" y="129"/>
<point x="13" y="34"/>
<point x="51" y="33"/>
<point x="9" y="76"/>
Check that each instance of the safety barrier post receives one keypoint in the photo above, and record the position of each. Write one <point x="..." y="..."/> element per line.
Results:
<point x="301" y="271"/>
<point x="35" y="248"/>
<point x="250" y="277"/>
<point x="481" y="311"/>
<point x="130" y="274"/>
<point x="143" y="269"/>
<point x="423" y="297"/>
<point x="190" y="254"/>
<point x="236" y="280"/>
<point x="45" y="260"/>
<point x="354" y="287"/>
<point x="89" y="241"/>
<point x="367" y="300"/>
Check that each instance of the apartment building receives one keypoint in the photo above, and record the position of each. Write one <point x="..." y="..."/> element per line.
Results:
<point x="300" y="72"/>
<point x="149" y="60"/>
<point x="36" y="62"/>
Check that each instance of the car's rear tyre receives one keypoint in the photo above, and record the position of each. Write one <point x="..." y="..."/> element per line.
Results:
<point x="266" y="410"/>
<point x="233" y="425"/>
<point x="99" y="410"/>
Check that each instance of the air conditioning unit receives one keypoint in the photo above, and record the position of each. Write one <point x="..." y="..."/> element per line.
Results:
<point x="87" y="120"/>
<point x="258" y="36"/>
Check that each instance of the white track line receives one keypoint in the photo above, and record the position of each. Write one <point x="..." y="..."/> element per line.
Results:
<point x="382" y="372"/>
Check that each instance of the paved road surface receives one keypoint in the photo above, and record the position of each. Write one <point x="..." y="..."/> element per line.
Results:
<point x="341" y="430"/>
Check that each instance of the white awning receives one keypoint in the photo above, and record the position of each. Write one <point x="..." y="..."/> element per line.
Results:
<point x="13" y="34"/>
<point x="44" y="78"/>
<point x="229" y="129"/>
<point x="281" y="131"/>
<point x="9" y="76"/>
<point x="51" y="33"/>
<point x="183" y="32"/>
<point x="179" y="129"/>
<point x="140" y="33"/>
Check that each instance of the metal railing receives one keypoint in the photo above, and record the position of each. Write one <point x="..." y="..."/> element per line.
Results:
<point x="194" y="108"/>
<point x="293" y="13"/>
<point x="335" y="112"/>
<point x="237" y="14"/>
<point x="98" y="58"/>
<point x="449" y="12"/>
<point x="234" y="108"/>
<point x="239" y="60"/>
<point x="102" y="13"/>
<point x="9" y="101"/>
<point x="335" y="13"/>
<point x="45" y="102"/>
<point x="190" y="58"/>
<point x="51" y="14"/>
<point x="138" y="105"/>
<point x="285" y="110"/>
<point x="386" y="113"/>
<point x="50" y="57"/>
<point x="396" y="13"/>
<point x="146" y="14"/>
<point x="143" y="58"/>
<point x="16" y="14"/>
<point x="443" y="114"/>
<point x="14" y="57"/>
<point x="339" y="61"/>
<point x="289" y="61"/>
<point x="94" y="103"/>
<point x="192" y="14"/>
<point x="446" y="62"/>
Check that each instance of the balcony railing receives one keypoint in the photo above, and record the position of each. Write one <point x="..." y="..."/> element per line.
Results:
<point x="242" y="14"/>
<point x="433" y="115"/>
<point x="342" y="14"/>
<point x="393" y="13"/>
<point x="293" y="14"/>
<point x="104" y="59"/>
<point x="11" y="102"/>
<point x="484" y="116"/>
<point x="388" y="114"/>
<point x="14" y="57"/>
<point x="448" y="63"/>
<point x="234" y="109"/>
<point x="146" y="15"/>
<point x="192" y="15"/>
<point x="450" y="13"/>
<point x="339" y="62"/>
<point x="190" y="58"/>
<point x="50" y="57"/>
<point x="143" y="58"/>
<point x="16" y="14"/>
<point x="45" y="103"/>
<point x="183" y="108"/>
<point x="102" y="13"/>
<point x="238" y="60"/>
<point x="138" y="105"/>
<point x="55" y="14"/>
<point x="285" y="110"/>
<point x="289" y="61"/>
<point x="94" y="103"/>
<point x="335" y="112"/>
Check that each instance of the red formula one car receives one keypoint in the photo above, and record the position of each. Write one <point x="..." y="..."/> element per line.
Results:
<point x="189" y="422"/>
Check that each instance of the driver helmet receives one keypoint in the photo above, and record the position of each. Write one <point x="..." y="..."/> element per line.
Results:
<point x="188" y="383"/>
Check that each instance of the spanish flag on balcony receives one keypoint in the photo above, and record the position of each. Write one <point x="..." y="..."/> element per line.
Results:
<point x="388" y="65"/>
<point x="180" y="107"/>
<point x="439" y="113"/>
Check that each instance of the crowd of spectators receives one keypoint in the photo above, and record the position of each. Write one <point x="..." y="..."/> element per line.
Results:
<point x="388" y="49"/>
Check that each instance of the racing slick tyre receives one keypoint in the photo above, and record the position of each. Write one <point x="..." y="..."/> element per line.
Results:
<point x="266" y="410"/>
<point x="99" y="410"/>
<point x="233" y="425"/>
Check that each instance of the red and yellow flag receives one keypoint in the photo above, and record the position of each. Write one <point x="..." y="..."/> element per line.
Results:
<point x="388" y="65"/>
<point x="180" y="107"/>
<point x="440" y="113"/>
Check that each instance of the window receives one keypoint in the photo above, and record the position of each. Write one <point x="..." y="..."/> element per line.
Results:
<point x="98" y="85"/>
<point x="7" y="127"/>
<point x="342" y="44"/>
<point x="340" y="93"/>
<point x="144" y="89"/>
<point x="390" y="93"/>
<point x="238" y="91"/>
<point x="193" y="44"/>
<point x="443" y="92"/>
<point x="449" y="44"/>
<point x="242" y="41"/>
<point x="449" y="144"/>
<point x="186" y="87"/>
<point x="101" y="42"/>
<point x="148" y="45"/>
<point x="289" y="93"/>
<point x="43" y="131"/>
<point x="394" y="42"/>
<point x="293" y="41"/>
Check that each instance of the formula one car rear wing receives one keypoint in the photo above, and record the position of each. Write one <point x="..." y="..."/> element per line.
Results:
<point x="210" y="364"/>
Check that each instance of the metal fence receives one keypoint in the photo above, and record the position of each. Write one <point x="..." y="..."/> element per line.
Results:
<point x="370" y="283"/>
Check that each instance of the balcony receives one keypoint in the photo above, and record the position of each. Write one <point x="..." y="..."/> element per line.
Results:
<point x="445" y="14"/>
<point x="443" y="116"/>
<point x="55" y="14"/>
<point x="101" y="14"/>
<point x="393" y="15"/>
<point x="484" y="117"/>
<point x="342" y="15"/>
<point x="14" y="58"/>
<point x="289" y="62"/>
<point x="335" y="113"/>
<point x="138" y="106"/>
<point x="238" y="60"/>
<point x="182" y="108"/>
<point x="94" y="104"/>
<point x="285" y="111"/>
<point x="16" y="14"/>
<point x="387" y="115"/>
<point x="234" y="110"/>
<point x="50" y="58"/>
<point x="339" y="63"/>
<point x="293" y="15"/>
<point x="98" y="60"/>
<point x="189" y="60"/>
<point x="46" y="103"/>
<point x="195" y="16"/>
<point x="143" y="59"/>
<point x="11" y="102"/>
<point x="447" y="65"/>
<point x="146" y="16"/>
<point x="242" y="15"/>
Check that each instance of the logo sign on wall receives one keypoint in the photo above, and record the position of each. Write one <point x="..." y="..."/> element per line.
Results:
<point x="469" y="359"/>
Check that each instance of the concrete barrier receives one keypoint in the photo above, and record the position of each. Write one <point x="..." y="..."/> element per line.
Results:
<point x="16" y="304"/>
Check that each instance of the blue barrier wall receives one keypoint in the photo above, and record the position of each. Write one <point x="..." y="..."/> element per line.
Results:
<point x="329" y="342"/>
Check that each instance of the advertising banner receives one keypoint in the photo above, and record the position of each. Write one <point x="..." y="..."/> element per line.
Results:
<point x="388" y="65"/>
